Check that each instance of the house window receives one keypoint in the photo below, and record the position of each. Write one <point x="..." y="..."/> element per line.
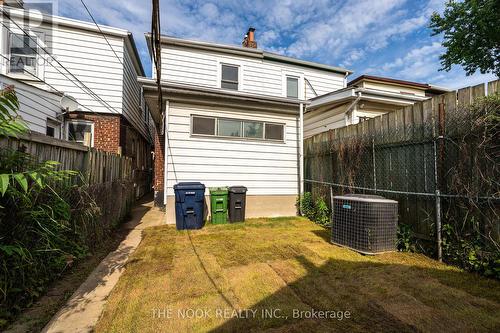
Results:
<point x="292" y="87"/>
<point x="81" y="132"/>
<point x="274" y="132"/>
<point x="23" y="54"/>
<point x="235" y="128"/>
<point x="52" y="128"/>
<point x="254" y="130"/>
<point x="229" y="127"/>
<point x="229" y="77"/>
<point x="203" y="126"/>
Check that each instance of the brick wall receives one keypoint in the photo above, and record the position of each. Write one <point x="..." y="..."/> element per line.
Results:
<point x="159" y="169"/>
<point x="106" y="130"/>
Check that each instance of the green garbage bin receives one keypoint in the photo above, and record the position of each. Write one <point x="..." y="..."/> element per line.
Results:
<point x="218" y="204"/>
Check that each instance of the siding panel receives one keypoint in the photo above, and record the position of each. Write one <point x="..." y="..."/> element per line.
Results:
<point x="266" y="168"/>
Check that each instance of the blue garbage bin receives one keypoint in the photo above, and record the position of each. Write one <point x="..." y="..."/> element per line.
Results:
<point x="189" y="205"/>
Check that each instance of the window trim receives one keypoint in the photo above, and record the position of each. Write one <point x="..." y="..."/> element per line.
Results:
<point x="79" y="121"/>
<point x="300" y="84"/>
<point x="39" y="63"/>
<point x="232" y="64"/>
<point x="56" y="125"/>
<point x="242" y="128"/>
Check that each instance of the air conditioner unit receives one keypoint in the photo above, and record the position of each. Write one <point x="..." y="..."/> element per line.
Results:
<point x="365" y="223"/>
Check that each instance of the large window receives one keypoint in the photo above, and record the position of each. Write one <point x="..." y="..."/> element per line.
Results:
<point x="81" y="132"/>
<point x="23" y="54"/>
<point x="292" y="87"/>
<point x="235" y="128"/>
<point x="229" y="77"/>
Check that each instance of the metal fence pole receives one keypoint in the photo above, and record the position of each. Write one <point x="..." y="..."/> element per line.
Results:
<point x="438" y="195"/>
<point x="331" y="204"/>
<point x="374" y="166"/>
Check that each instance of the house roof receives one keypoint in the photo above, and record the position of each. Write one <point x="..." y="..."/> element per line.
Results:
<point x="418" y="85"/>
<point x="347" y="94"/>
<point x="245" y="51"/>
<point x="82" y="25"/>
<point x="213" y="96"/>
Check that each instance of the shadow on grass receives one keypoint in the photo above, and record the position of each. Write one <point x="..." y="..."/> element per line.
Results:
<point x="376" y="297"/>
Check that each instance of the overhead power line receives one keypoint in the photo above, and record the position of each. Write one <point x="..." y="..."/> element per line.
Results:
<point x="103" y="35"/>
<point x="83" y="86"/>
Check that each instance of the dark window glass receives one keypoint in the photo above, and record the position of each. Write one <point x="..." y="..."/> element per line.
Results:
<point x="229" y="127"/>
<point x="50" y="131"/>
<point x="80" y="132"/>
<point x="292" y="87"/>
<point x="229" y="79"/>
<point x="274" y="132"/>
<point x="22" y="53"/>
<point x="254" y="130"/>
<point x="205" y="126"/>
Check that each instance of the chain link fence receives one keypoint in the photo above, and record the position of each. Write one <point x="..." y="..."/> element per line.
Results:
<point x="439" y="159"/>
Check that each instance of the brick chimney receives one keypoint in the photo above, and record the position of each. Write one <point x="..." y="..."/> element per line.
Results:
<point x="249" y="40"/>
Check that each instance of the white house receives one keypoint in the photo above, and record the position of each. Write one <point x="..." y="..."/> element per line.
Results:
<point x="46" y="56"/>
<point x="364" y="97"/>
<point x="233" y="117"/>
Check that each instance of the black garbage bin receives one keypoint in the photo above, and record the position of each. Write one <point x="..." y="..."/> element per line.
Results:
<point x="237" y="203"/>
<point x="189" y="205"/>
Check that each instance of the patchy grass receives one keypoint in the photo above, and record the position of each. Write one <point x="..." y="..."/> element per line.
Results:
<point x="284" y="266"/>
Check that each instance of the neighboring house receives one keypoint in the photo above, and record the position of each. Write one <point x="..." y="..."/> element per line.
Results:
<point x="364" y="97"/>
<point x="233" y="117"/>
<point x="39" y="108"/>
<point x="67" y="57"/>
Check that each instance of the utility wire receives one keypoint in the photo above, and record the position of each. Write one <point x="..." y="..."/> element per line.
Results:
<point x="89" y="91"/>
<point x="103" y="35"/>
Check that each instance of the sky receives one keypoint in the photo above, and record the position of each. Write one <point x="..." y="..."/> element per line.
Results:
<point x="376" y="37"/>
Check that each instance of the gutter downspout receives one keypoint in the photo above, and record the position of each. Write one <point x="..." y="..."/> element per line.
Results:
<point x="353" y="104"/>
<point x="301" y="149"/>
<point x="165" y="156"/>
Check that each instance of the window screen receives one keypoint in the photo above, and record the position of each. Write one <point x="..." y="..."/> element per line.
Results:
<point x="80" y="132"/>
<point x="229" y="127"/>
<point x="205" y="126"/>
<point x="229" y="78"/>
<point x="274" y="132"/>
<point x="254" y="130"/>
<point x="292" y="87"/>
<point x="22" y="54"/>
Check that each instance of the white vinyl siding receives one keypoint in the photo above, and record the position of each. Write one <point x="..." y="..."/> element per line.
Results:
<point x="133" y="111"/>
<point x="265" y="167"/>
<point x="88" y="56"/>
<point x="35" y="105"/>
<point x="319" y="121"/>
<point x="200" y="67"/>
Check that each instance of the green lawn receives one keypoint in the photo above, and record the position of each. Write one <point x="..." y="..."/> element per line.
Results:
<point x="274" y="271"/>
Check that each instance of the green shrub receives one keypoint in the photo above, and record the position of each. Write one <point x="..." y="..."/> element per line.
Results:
<point x="322" y="213"/>
<point x="44" y="222"/>
<point x="306" y="205"/>
<point x="405" y="242"/>
<point x="315" y="211"/>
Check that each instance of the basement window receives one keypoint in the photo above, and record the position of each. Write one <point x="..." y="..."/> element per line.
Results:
<point x="81" y="132"/>
<point x="229" y="77"/>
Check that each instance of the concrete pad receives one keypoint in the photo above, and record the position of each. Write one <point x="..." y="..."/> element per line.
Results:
<point x="83" y="309"/>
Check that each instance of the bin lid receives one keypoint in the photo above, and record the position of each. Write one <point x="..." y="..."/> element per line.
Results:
<point x="189" y="186"/>
<point x="238" y="189"/>
<point x="218" y="190"/>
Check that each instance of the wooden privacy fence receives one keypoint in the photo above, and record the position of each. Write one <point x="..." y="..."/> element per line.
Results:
<point x="96" y="166"/>
<point x="431" y="157"/>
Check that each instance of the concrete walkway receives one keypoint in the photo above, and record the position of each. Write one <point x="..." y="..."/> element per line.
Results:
<point x="83" y="309"/>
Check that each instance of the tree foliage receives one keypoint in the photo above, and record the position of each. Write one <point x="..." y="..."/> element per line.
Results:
<point x="471" y="31"/>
